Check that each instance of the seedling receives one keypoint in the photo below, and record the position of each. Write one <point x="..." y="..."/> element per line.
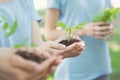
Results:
<point x="70" y="31"/>
<point x="108" y="15"/>
<point x="24" y="54"/>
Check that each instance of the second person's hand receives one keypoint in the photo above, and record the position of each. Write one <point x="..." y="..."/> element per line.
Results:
<point x="97" y="31"/>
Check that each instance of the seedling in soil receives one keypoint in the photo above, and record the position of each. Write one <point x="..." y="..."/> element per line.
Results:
<point x="28" y="55"/>
<point x="24" y="54"/>
<point x="70" y="31"/>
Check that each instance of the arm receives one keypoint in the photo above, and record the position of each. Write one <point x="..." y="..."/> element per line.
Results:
<point x="52" y="33"/>
<point x="91" y="29"/>
<point x="36" y="37"/>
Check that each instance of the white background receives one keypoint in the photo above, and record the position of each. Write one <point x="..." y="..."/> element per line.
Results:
<point x="42" y="4"/>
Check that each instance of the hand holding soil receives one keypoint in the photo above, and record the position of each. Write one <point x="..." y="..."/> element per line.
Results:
<point x="73" y="47"/>
<point x="33" y="54"/>
<point x="14" y="67"/>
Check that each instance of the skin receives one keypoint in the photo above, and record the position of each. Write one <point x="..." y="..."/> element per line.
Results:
<point x="4" y="0"/>
<point x="91" y="29"/>
<point x="61" y="50"/>
<point x="13" y="67"/>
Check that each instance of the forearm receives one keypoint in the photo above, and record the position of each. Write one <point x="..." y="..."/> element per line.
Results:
<point x="36" y="36"/>
<point x="51" y="18"/>
<point x="53" y="34"/>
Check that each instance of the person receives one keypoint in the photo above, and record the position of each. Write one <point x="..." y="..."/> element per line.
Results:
<point x="19" y="26"/>
<point x="94" y="62"/>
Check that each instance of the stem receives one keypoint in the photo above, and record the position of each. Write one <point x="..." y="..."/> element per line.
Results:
<point x="69" y="35"/>
<point x="73" y="33"/>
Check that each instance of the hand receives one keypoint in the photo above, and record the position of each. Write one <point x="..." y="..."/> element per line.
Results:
<point x="72" y="50"/>
<point x="13" y="67"/>
<point x="97" y="31"/>
<point x="54" y="48"/>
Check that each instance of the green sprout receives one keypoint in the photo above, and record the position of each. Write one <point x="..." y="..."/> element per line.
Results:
<point x="70" y="31"/>
<point x="108" y="15"/>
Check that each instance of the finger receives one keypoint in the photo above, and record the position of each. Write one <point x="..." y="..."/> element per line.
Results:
<point x="54" y="51"/>
<point x="111" y="34"/>
<point x="100" y="37"/>
<point x="98" y="28"/>
<point x="45" y="65"/>
<point x="80" y="48"/>
<point x="57" y="46"/>
<point x="53" y="44"/>
<point x="23" y="64"/>
<point x="101" y="33"/>
<point x="52" y="69"/>
<point x="99" y="23"/>
<point x="40" y="53"/>
<point x="58" y="60"/>
<point x="76" y="45"/>
<point x="72" y="50"/>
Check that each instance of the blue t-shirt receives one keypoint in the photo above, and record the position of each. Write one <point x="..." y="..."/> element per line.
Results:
<point x="95" y="59"/>
<point x="22" y="13"/>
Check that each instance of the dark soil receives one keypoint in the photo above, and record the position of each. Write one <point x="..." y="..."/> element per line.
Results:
<point x="67" y="43"/>
<point x="30" y="56"/>
<point x="106" y="24"/>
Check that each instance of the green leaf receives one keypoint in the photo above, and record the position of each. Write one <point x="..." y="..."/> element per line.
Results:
<point x="68" y="29"/>
<point x="5" y="27"/>
<point x="62" y="25"/>
<point x="82" y="24"/>
<point x="108" y="15"/>
<point x="13" y="28"/>
<point x="19" y="45"/>
<point x="97" y="18"/>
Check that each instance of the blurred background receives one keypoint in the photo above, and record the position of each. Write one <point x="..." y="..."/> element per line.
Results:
<point x="41" y="5"/>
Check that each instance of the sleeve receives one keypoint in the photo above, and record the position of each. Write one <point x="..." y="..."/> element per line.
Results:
<point x="53" y="4"/>
<point x="34" y="14"/>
